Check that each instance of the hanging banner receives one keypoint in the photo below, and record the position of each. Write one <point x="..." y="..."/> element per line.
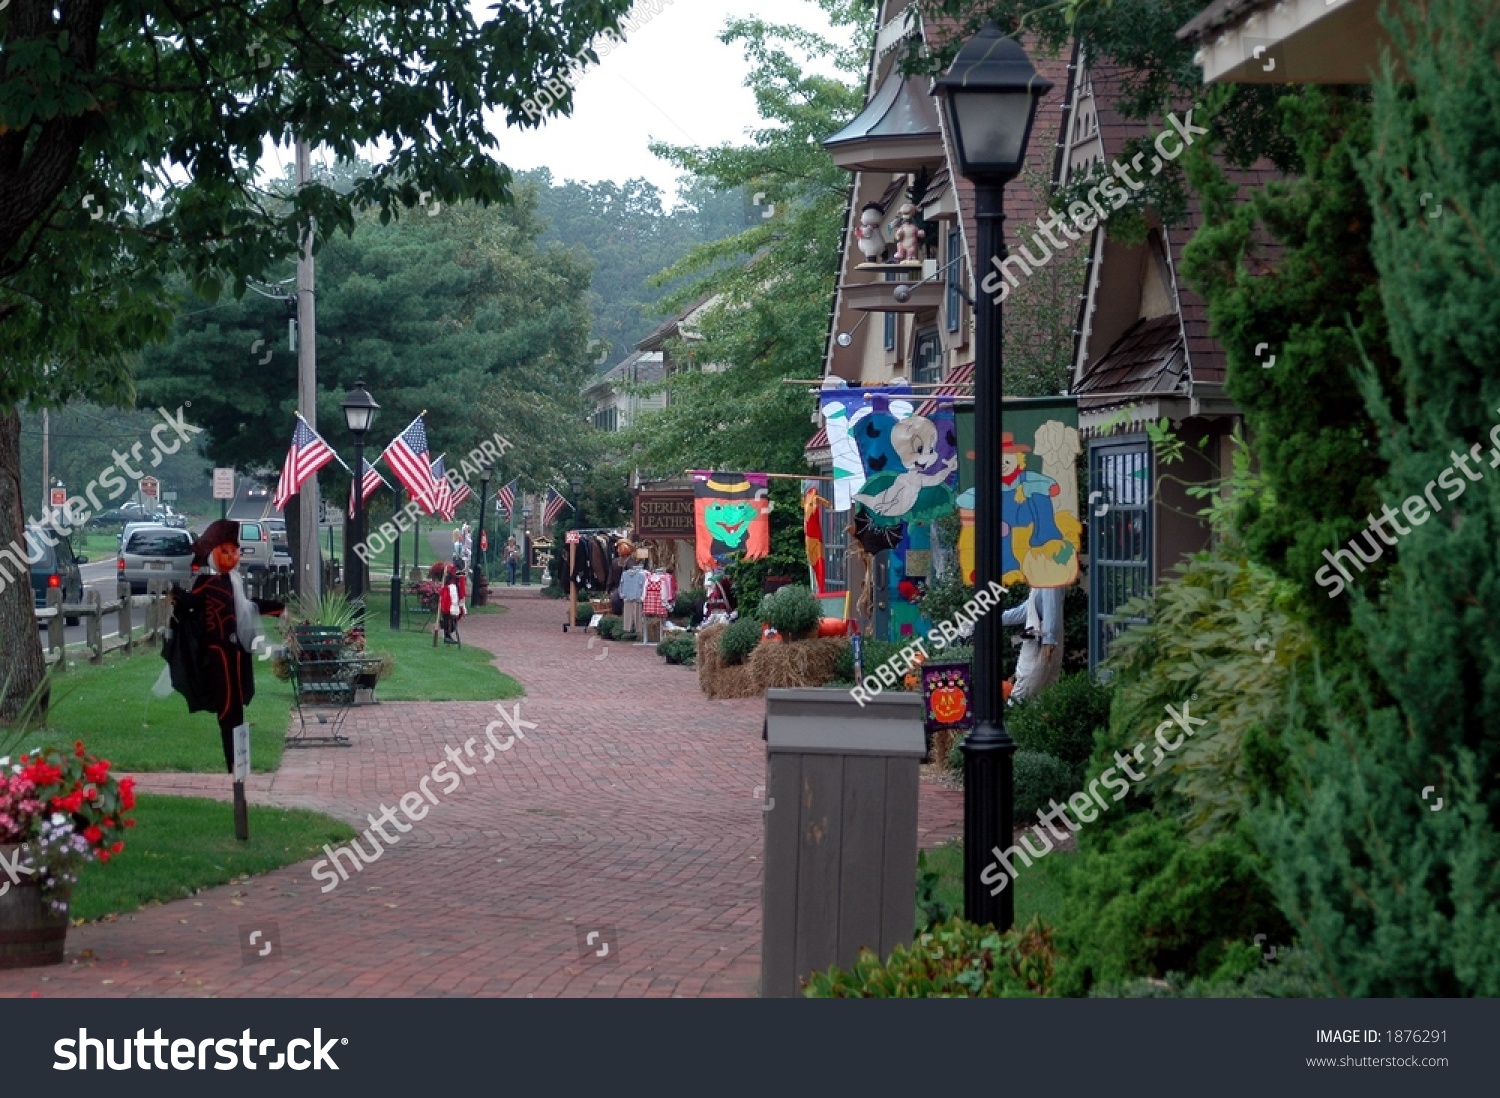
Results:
<point x="1040" y="528"/>
<point x="963" y="419"/>
<point x="948" y="692"/>
<point x="813" y="505"/>
<point x="733" y="517"/>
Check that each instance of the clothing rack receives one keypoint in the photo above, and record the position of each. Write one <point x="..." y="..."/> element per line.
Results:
<point x="573" y="563"/>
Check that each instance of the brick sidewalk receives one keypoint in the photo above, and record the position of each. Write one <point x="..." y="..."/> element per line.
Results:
<point x="630" y="810"/>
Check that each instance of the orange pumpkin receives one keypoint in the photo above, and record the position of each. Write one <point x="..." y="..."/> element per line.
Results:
<point x="949" y="704"/>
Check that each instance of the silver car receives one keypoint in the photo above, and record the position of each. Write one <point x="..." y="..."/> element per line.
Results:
<point x="155" y="552"/>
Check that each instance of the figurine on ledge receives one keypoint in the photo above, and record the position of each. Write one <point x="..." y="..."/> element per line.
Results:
<point x="909" y="236"/>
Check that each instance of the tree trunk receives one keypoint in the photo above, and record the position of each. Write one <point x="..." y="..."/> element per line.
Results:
<point x="25" y="670"/>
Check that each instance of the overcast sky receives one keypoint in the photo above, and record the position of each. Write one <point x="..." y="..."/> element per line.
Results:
<point x="672" y="80"/>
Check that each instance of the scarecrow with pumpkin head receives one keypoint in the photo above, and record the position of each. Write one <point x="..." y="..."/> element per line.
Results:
<point x="217" y="673"/>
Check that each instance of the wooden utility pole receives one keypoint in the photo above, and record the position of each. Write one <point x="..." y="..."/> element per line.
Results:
<point x="310" y="581"/>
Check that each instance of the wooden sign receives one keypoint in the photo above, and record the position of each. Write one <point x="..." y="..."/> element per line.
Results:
<point x="665" y="515"/>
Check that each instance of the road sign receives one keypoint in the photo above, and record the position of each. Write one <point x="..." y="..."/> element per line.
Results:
<point x="150" y="487"/>
<point x="59" y="497"/>
<point x="223" y="484"/>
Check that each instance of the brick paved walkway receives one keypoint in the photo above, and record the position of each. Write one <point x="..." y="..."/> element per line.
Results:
<point x="630" y="810"/>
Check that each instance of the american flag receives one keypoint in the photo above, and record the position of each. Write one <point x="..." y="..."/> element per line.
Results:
<point x="407" y="457"/>
<point x="439" y="497"/>
<point x="307" y="455"/>
<point x="552" y="508"/>
<point x="506" y="497"/>
<point x="372" y="481"/>
<point x="460" y="494"/>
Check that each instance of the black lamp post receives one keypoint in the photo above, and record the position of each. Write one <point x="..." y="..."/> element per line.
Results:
<point x="486" y="470"/>
<point x="359" y="415"/>
<point x="577" y="485"/>
<point x="989" y="98"/>
<point x="526" y="546"/>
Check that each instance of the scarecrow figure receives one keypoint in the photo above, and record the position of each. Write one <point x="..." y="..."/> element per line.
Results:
<point x="216" y="672"/>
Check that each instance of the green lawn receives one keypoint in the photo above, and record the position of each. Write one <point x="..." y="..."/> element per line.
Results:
<point x="111" y="708"/>
<point x="425" y="673"/>
<point x="1038" y="887"/>
<point x="182" y="844"/>
<point x="97" y="545"/>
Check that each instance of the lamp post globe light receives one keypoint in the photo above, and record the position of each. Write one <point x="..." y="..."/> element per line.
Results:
<point x="359" y="415"/>
<point x="486" y="470"/>
<point x="576" y="483"/>
<point x="989" y="97"/>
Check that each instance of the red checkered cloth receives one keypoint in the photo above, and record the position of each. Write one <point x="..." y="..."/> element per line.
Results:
<point x="661" y="592"/>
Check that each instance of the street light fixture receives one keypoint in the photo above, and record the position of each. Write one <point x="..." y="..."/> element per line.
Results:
<point x="359" y="414"/>
<point x="526" y="545"/>
<point x="989" y="98"/>
<point x="576" y="483"/>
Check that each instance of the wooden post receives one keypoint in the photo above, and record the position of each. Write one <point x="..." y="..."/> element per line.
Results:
<point x="125" y="624"/>
<point x="241" y="772"/>
<point x="94" y="627"/>
<point x="56" y="639"/>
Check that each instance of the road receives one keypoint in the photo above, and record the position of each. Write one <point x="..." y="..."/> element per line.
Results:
<point x="99" y="574"/>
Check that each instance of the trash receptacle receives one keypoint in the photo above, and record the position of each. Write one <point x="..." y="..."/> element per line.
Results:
<point x="841" y="831"/>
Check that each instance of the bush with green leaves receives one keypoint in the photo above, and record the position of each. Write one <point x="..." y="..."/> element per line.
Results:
<point x="679" y="648"/>
<point x="610" y="627"/>
<point x="793" y="611"/>
<point x="686" y="602"/>
<point x="1062" y="719"/>
<point x="1039" y="779"/>
<point x="955" y="959"/>
<point x="738" y="640"/>
<point x="1289" y="973"/>
<point x="1144" y="901"/>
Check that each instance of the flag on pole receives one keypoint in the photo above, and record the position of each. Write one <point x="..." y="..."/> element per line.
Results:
<point x="307" y="455"/>
<point x="506" y="498"/>
<point x="552" y="508"/>
<point x="460" y="494"/>
<point x="440" y="495"/>
<point x="372" y="481"/>
<point x="407" y="457"/>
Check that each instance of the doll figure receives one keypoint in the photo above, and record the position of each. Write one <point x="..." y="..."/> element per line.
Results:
<point x="909" y="236"/>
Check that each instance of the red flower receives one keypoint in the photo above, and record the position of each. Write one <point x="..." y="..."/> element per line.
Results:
<point x="116" y="848"/>
<point x="90" y="793"/>
<point x="78" y="748"/>
<point x="98" y="773"/>
<point x="93" y="834"/>
<point x="104" y="855"/>
<point x="127" y="793"/>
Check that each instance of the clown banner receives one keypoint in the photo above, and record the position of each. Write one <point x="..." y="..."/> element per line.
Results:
<point x="812" y="533"/>
<point x="1039" y="519"/>
<point x="733" y="517"/>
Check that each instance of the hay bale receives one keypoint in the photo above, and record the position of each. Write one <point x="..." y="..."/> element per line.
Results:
<point x="715" y="678"/>
<point x="796" y="663"/>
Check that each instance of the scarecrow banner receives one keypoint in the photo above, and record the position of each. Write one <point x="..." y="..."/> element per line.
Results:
<point x="963" y="415"/>
<point x="812" y="533"/>
<point x="1039" y="518"/>
<point x="733" y="517"/>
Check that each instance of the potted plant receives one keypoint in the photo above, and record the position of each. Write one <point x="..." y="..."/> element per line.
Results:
<point x="59" y="809"/>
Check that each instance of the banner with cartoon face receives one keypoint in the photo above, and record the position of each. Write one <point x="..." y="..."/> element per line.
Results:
<point x="1040" y="528"/>
<point x="733" y="517"/>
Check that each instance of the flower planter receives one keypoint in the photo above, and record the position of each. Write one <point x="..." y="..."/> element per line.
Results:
<point x="32" y="932"/>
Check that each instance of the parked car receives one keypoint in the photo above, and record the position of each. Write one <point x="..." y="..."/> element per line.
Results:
<point x="281" y="550"/>
<point x="56" y="567"/>
<point x="119" y="516"/>
<point x="255" y="546"/>
<point x="153" y="552"/>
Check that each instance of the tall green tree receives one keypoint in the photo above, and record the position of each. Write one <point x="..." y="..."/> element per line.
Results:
<point x="130" y="140"/>
<point x="768" y="286"/>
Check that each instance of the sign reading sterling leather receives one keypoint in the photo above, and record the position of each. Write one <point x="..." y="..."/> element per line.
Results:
<point x="665" y="515"/>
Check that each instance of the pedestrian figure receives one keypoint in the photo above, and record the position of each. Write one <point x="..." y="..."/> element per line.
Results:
<point x="1041" y="658"/>
<point x="512" y="561"/>
<point x="451" y="604"/>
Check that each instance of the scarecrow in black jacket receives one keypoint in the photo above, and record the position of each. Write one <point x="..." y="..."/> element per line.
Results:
<point x="220" y="675"/>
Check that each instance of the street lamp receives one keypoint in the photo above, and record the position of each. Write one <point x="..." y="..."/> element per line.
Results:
<point x="577" y="485"/>
<point x="526" y="546"/>
<point x="486" y="470"/>
<point x="989" y="97"/>
<point x="359" y="414"/>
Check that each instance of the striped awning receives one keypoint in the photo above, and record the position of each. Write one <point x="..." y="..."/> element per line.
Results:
<point x="959" y="383"/>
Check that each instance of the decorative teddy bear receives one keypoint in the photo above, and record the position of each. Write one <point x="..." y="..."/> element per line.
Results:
<point x="909" y="236"/>
<point x="869" y="235"/>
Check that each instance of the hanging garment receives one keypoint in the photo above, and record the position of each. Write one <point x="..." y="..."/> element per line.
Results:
<point x="583" y="572"/>
<point x="598" y="561"/>
<point x="632" y="619"/>
<point x="633" y="585"/>
<point x="661" y="592"/>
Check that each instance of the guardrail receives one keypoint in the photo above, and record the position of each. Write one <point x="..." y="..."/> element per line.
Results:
<point x="93" y="610"/>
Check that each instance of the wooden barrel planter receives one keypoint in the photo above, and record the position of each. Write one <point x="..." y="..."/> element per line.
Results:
<point x="31" y="932"/>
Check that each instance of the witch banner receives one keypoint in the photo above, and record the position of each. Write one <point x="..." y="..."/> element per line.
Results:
<point x="733" y="517"/>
